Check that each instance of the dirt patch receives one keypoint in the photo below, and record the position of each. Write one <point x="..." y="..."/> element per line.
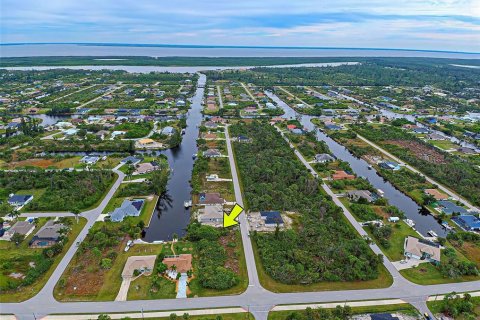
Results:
<point x="86" y="278"/>
<point x="232" y="262"/>
<point x="419" y="150"/>
<point x="41" y="163"/>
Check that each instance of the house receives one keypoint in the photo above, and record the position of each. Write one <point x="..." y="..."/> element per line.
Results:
<point x="147" y="167"/>
<point x="272" y="218"/>
<point x="210" y="136"/>
<point x="210" y="199"/>
<point x="420" y="249"/>
<point x="145" y="141"/>
<point x="144" y="264"/>
<point x="212" y="153"/>
<point x="342" y="175"/>
<point x="296" y="131"/>
<point x="323" y="157"/>
<point x="243" y="139"/>
<point x="211" y="215"/>
<point x="70" y="132"/>
<point x="212" y="177"/>
<point x="168" y="131"/>
<point x="291" y="127"/>
<point x="117" y="133"/>
<point x="390" y="165"/>
<point x="467" y="222"/>
<point x="450" y="208"/>
<point x="211" y="125"/>
<point x="131" y="160"/>
<point x="19" y="200"/>
<point x="356" y="195"/>
<point x="101" y="134"/>
<point x="21" y="227"/>
<point x="333" y="127"/>
<point x="466" y="150"/>
<point x="270" y="105"/>
<point x="182" y="263"/>
<point x="180" y="103"/>
<point x="436" y="194"/>
<point x="48" y="235"/>
<point x="129" y="208"/>
<point x="436" y="136"/>
<point x="89" y="159"/>
<point x="421" y="130"/>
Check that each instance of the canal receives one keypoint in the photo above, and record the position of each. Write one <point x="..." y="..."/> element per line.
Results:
<point x="424" y="221"/>
<point x="170" y="216"/>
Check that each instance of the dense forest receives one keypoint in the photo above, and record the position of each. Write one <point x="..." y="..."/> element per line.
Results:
<point x="324" y="247"/>
<point x="372" y="72"/>
<point x="64" y="191"/>
<point x="458" y="173"/>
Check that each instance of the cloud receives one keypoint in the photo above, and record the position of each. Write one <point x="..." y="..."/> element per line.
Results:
<point x="420" y="24"/>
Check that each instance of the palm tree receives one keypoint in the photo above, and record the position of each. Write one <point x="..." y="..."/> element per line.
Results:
<point x="76" y="212"/>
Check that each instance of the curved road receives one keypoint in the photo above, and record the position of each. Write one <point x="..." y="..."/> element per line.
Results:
<point x="256" y="299"/>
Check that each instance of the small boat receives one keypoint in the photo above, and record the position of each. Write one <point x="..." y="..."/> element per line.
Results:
<point x="410" y="223"/>
<point x="432" y="233"/>
<point x="369" y="167"/>
<point x="447" y="226"/>
<point x="380" y="192"/>
<point x="194" y="156"/>
<point x="183" y="132"/>
<point x="187" y="203"/>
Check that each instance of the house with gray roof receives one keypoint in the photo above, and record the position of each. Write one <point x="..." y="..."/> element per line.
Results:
<point x="212" y="153"/>
<point x="132" y="160"/>
<point x="129" y="208"/>
<point x="450" y="208"/>
<point x="21" y="227"/>
<point x="48" y="235"/>
<point x="356" y="195"/>
<point x="168" y="131"/>
<point x="323" y="157"/>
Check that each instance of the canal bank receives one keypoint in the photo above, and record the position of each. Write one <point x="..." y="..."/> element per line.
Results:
<point x="424" y="221"/>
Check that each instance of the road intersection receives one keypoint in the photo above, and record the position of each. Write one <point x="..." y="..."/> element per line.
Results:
<point x="255" y="299"/>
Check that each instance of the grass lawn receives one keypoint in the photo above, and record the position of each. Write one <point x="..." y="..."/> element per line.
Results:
<point x="147" y="209"/>
<point x="404" y="308"/>
<point x="400" y="231"/>
<point x="224" y="316"/>
<point x="109" y="163"/>
<point x="10" y="251"/>
<point x="427" y="273"/>
<point x="444" y="144"/>
<point x="384" y="280"/>
<point x="36" y="193"/>
<point x="436" y="307"/>
<point x="140" y="289"/>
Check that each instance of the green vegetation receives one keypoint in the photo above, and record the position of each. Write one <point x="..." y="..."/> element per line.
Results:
<point x="135" y="130"/>
<point x="273" y="179"/>
<point x="64" y="191"/>
<point x="457" y="306"/>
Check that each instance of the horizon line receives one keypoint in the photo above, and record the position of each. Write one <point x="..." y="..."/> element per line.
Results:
<point x="119" y="44"/>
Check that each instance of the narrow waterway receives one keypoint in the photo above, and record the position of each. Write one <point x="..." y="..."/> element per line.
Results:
<point x="424" y="221"/>
<point x="170" y="216"/>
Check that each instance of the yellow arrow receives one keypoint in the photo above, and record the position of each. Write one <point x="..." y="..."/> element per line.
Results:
<point x="229" y="219"/>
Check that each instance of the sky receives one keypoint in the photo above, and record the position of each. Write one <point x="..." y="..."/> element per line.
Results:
<point x="451" y="25"/>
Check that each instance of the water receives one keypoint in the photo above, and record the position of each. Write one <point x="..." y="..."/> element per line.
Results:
<point x="148" y="69"/>
<point x="171" y="216"/>
<point x="424" y="221"/>
<point x="29" y="50"/>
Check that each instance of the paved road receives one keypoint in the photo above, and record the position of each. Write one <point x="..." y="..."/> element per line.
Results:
<point x="256" y="299"/>
<point x="251" y="95"/>
<point x="403" y="163"/>
<point x="292" y="95"/>
<point x="220" y="100"/>
<point x="102" y="95"/>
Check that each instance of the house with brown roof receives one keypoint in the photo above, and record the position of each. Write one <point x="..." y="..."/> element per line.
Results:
<point x="182" y="263"/>
<point x="421" y="249"/>
<point x="210" y="199"/>
<point x="342" y="175"/>
<point x="436" y="194"/>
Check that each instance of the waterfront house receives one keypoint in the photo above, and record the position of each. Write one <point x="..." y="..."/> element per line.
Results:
<point x="212" y="153"/>
<point x="333" y="127"/>
<point x="356" y="195"/>
<point x="182" y="263"/>
<point x="131" y="160"/>
<point x="436" y="136"/>
<point x="19" y="200"/>
<point x="323" y="158"/>
<point x="210" y="199"/>
<point x="211" y="125"/>
<point x="390" y="165"/>
<point x="48" y="235"/>
<point x="420" y="249"/>
<point x="211" y="215"/>
<point x="342" y="175"/>
<point x="129" y="208"/>
<point x="466" y="150"/>
<point x="89" y="159"/>
<point x="467" y="222"/>
<point x="168" y="131"/>
<point x="147" y="167"/>
<point x="420" y="130"/>
<point x="450" y="208"/>
<point x="436" y="194"/>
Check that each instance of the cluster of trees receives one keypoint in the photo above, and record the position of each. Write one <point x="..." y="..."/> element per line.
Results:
<point x="135" y="130"/>
<point x="460" y="174"/>
<point x="453" y="267"/>
<point x="382" y="234"/>
<point x="454" y="305"/>
<point x="211" y="257"/>
<point x="364" y="212"/>
<point x="339" y="313"/>
<point x="324" y="248"/>
<point x="65" y="191"/>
